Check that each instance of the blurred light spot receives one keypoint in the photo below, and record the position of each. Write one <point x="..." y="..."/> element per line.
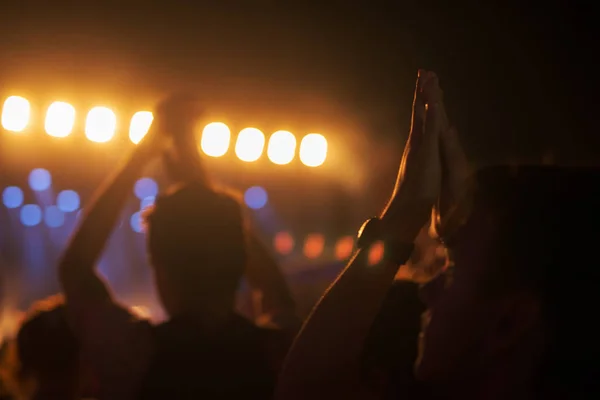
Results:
<point x="282" y="147"/>
<point x="147" y="202"/>
<point x="256" y="197"/>
<point x="31" y="215"/>
<point x="100" y="124"/>
<point x="215" y="139"/>
<point x="60" y="119"/>
<point x="250" y="144"/>
<point x="15" y="113"/>
<point x="54" y="217"/>
<point x="376" y="253"/>
<point x="141" y="312"/>
<point x="283" y="243"/>
<point x="136" y="222"/>
<point x="12" y="197"/>
<point x="313" y="150"/>
<point x="344" y="247"/>
<point x="313" y="245"/>
<point x="40" y="179"/>
<point x="68" y="201"/>
<point x="139" y="126"/>
<point x="145" y="187"/>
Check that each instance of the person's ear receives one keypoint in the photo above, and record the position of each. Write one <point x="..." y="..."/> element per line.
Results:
<point x="517" y="318"/>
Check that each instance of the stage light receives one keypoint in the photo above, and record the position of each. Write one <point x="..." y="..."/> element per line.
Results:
<point x="250" y="144"/>
<point x="145" y="187"/>
<point x="68" y="201"/>
<point x="40" y="179"/>
<point x="100" y="124"/>
<point x="283" y="243"/>
<point x="139" y="126"/>
<point x="60" y="119"/>
<point x="313" y="245"/>
<point x="31" y="215"/>
<point x="256" y="197"/>
<point x="215" y="139"/>
<point x="54" y="217"/>
<point x="313" y="150"/>
<point x="15" y="113"/>
<point x="376" y="253"/>
<point x="282" y="147"/>
<point x="136" y="222"/>
<point x="147" y="202"/>
<point x="344" y="247"/>
<point x="12" y="197"/>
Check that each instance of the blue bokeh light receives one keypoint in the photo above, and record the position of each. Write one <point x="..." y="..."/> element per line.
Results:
<point x="31" y="215"/>
<point x="145" y="187"/>
<point x="147" y="202"/>
<point x="68" y="201"/>
<point x="12" y="197"/>
<point x="40" y="179"/>
<point x="136" y="222"/>
<point x="54" y="217"/>
<point x="256" y="197"/>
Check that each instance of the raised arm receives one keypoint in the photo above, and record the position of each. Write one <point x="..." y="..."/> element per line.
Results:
<point x="324" y="360"/>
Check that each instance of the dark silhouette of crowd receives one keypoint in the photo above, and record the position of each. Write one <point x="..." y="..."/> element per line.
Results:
<point x="509" y="315"/>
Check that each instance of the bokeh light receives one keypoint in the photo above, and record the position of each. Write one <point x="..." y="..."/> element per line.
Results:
<point x="15" y="113"/>
<point x="282" y="147"/>
<point x="147" y="202"/>
<point x="54" y="217"/>
<point x="256" y="197"/>
<point x="140" y="125"/>
<point x="313" y="150"/>
<point x="31" y="215"/>
<point x="283" y="243"/>
<point x="344" y="247"/>
<point x="376" y="253"/>
<point x="145" y="187"/>
<point x="314" y="245"/>
<point x="100" y="124"/>
<point x="250" y="144"/>
<point x="12" y="197"/>
<point x="60" y="119"/>
<point x="40" y="179"/>
<point x="68" y="201"/>
<point x="136" y="222"/>
<point x="215" y="139"/>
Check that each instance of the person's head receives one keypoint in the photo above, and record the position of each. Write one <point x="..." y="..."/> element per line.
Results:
<point x="44" y="359"/>
<point x="514" y="305"/>
<point x="196" y="241"/>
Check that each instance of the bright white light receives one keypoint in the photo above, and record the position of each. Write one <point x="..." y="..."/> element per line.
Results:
<point x="100" y="125"/>
<point x="282" y="146"/>
<point x="139" y="126"/>
<point x="60" y="119"/>
<point x="215" y="139"/>
<point x="250" y="144"/>
<point x="313" y="150"/>
<point x="15" y="113"/>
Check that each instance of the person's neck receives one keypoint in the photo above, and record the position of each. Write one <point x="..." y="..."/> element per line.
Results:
<point x="208" y="317"/>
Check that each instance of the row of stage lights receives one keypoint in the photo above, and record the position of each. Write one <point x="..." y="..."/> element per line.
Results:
<point x="313" y="246"/>
<point x="101" y="126"/>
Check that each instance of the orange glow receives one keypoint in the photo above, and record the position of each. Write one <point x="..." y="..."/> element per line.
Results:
<point x="376" y="253"/>
<point x="344" y="247"/>
<point x="15" y="113"/>
<point x="282" y="146"/>
<point x="100" y="125"/>
<point x="140" y="125"/>
<point x="60" y="119"/>
<point x="215" y="139"/>
<point x="283" y="243"/>
<point x="250" y="144"/>
<point x="313" y="245"/>
<point x="313" y="150"/>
